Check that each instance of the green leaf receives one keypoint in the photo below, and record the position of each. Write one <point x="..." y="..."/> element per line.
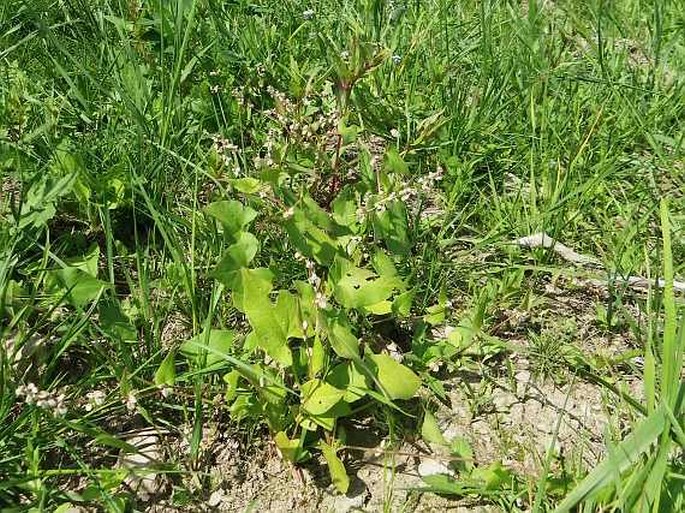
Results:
<point x="401" y="305"/>
<point x="269" y="386"/>
<point x="65" y="507"/>
<point x="318" y="357"/>
<point x="444" y="484"/>
<point x="166" y="373"/>
<point x="383" y="264"/>
<point x="289" y="449"/>
<point x="358" y="288"/>
<point x="347" y="132"/>
<point x="382" y="308"/>
<point x="394" y="162"/>
<point x="430" y="431"/>
<point x="462" y="335"/>
<point x="78" y="278"/>
<point x="308" y="307"/>
<point x="114" y="321"/>
<point x="435" y="315"/>
<point x="88" y="263"/>
<point x="673" y="345"/>
<point x="346" y="376"/>
<point x="38" y="205"/>
<point x="336" y="468"/>
<point x="246" y="283"/>
<point x="231" y="379"/>
<point x="429" y="126"/>
<point x="627" y="454"/>
<point x="237" y="256"/>
<point x="326" y="420"/>
<point x="391" y="226"/>
<point x="340" y="336"/>
<point x="212" y="347"/>
<point x="311" y="240"/>
<point x="232" y="214"/>
<point x="274" y="324"/>
<point x="398" y="381"/>
<point x="461" y="449"/>
<point x="246" y="185"/>
<point x="318" y="397"/>
<point x="80" y="287"/>
<point x="344" y="210"/>
<point x="493" y="477"/>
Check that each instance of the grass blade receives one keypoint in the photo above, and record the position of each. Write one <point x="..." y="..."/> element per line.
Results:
<point x="626" y="454"/>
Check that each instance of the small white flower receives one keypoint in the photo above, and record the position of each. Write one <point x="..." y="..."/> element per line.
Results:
<point x="29" y="393"/>
<point x="435" y="365"/>
<point x="217" y="498"/>
<point x="43" y="399"/>
<point x="314" y="280"/>
<point x="289" y="213"/>
<point x="395" y="133"/>
<point x="396" y="59"/>
<point x="344" y="55"/>
<point x="131" y="402"/>
<point x="308" y="14"/>
<point x="320" y="301"/>
<point x="305" y="326"/>
<point x="394" y="352"/>
<point x="94" y="398"/>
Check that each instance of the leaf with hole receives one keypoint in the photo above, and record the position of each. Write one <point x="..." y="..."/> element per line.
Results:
<point x="359" y="288"/>
<point x="274" y="324"/>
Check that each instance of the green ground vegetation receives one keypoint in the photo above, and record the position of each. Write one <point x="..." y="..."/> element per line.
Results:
<point x="270" y="201"/>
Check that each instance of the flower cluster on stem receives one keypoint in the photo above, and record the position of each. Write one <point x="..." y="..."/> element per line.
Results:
<point x="49" y="401"/>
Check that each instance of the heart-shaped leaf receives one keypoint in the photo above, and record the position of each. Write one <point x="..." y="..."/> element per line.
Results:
<point x="318" y="396"/>
<point x="237" y="256"/>
<point x="346" y="376"/>
<point x="397" y="381"/>
<point x="289" y="449"/>
<point x="214" y="346"/>
<point x="233" y="215"/>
